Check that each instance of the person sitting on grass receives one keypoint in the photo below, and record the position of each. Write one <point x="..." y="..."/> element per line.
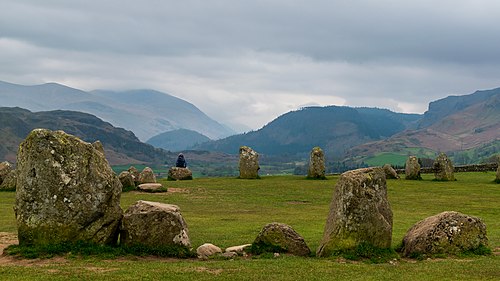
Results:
<point x="181" y="162"/>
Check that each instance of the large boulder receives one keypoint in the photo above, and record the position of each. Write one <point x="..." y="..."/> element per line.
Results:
<point x="389" y="171"/>
<point x="66" y="191"/>
<point x="147" y="176"/>
<point x="443" y="168"/>
<point x="154" y="224"/>
<point x="126" y="179"/>
<point x="177" y="173"/>
<point x="316" y="164"/>
<point x="279" y="237"/>
<point x="249" y="163"/>
<point x="5" y="169"/>
<point x="359" y="213"/>
<point x="445" y="233"/>
<point x="412" y="169"/>
<point x="9" y="181"/>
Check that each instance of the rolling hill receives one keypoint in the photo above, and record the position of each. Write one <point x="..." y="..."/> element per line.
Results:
<point x="145" y="112"/>
<point x="177" y="140"/>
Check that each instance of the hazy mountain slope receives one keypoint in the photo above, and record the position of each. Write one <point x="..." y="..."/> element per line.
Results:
<point x="177" y="140"/>
<point x="145" y="112"/>
<point x="121" y="146"/>
<point x="472" y="126"/>
<point x="335" y="129"/>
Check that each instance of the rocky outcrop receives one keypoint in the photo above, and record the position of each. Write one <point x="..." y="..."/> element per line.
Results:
<point x="359" y="212"/>
<point x="126" y="179"/>
<point x="249" y="163"/>
<point x="412" y="169"/>
<point x="147" y="176"/>
<point x="279" y="237"/>
<point x="443" y="168"/>
<point x="389" y="171"/>
<point x="316" y="164"/>
<point x="207" y="250"/>
<point x="154" y="224"/>
<point x="445" y="233"/>
<point x="177" y="173"/>
<point x="66" y="191"/>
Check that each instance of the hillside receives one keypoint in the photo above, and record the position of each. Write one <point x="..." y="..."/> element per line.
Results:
<point x="177" y="140"/>
<point x="464" y="124"/>
<point x="145" y="112"/>
<point x="333" y="128"/>
<point x="121" y="146"/>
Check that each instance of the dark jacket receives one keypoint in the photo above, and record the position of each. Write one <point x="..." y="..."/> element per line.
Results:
<point x="181" y="162"/>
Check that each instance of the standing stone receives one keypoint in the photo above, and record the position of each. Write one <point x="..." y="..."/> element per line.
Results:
<point x="443" y="168"/>
<point x="389" y="171"/>
<point x="249" y="163"/>
<point x="412" y="170"/>
<point x="154" y="224"/>
<point x="135" y="174"/>
<point x="147" y="176"/>
<point x="316" y="164"/>
<point x="5" y="169"/>
<point x="279" y="237"/>
<point x="66" y="191"/>
<point x="445" y="233"/>
<point x="359" y="212"/>
<point x="9" y="181"/>
<point x="178" y="173"/>
<point x="126" y="179"/>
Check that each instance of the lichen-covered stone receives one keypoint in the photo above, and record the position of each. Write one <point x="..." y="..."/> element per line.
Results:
<point x="281" y="237"/>
<point x="66" y="191"/>
<point x="135" y="174"/>
<point x="316" y="164"/>
<point x="412" y="169"/>
<point x="5" y="169"/>
<point x="126" y="179"/>
<point x="389" y="171"/>
<point x="9" y="181"/>
<point x="445" y="233"/>
<point x="359" y="212"/>
<point x="147" y="176"/>
<point x="249" y="163"/>
<point x="178" y="173"/>
<point x="443" y="168"/>
<point x="154" y="224"/>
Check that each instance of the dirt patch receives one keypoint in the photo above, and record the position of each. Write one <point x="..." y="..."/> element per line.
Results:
<point x="7" y="239"/>
<point x="178" y="190"/>
<point x="298" y="202"/>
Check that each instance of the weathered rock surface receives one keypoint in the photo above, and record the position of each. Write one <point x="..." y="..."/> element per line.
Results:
<point x="445" y="233"/>
<point x="9" y="181"/>
<point x="412" y="169"/>
<point x="154" y="224"/>
<point x="249" y="163"/>
<point x="126" y="179"/>
<point x="443" y="168"/>
<point x="5" y="169"/>
<point x="177" y="173"/>
<point x="66" y="191"/>
<point x="240" y="249"/>
<point x="359" y="212"/>
<point x="135" y="174"/>
<point x="207" y="250"/>
<point x="389" y="171"/>
<point x="282" y="237"/>
<point x="151" y="187"/>
<point x="147" y="176"/>
<point x="316" y="164"/>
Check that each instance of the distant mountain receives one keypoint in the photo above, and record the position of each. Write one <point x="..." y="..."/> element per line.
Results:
<point x="451" y="124"/>
<point x="145" y="112"/>
<point x="121" y="146"/>
<point x="334" y="128"/>
<point x="177" y="140"/>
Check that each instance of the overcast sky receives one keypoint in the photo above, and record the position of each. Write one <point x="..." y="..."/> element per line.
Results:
<point x="247" y="62"/>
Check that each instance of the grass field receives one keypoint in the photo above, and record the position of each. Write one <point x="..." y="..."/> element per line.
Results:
<point x="229" y="211"/>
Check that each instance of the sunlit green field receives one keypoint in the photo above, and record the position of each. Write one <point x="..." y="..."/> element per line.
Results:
<point x="229" y="211"/>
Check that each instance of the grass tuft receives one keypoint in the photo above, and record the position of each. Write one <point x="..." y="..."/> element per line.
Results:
<point x="368" y="253"/>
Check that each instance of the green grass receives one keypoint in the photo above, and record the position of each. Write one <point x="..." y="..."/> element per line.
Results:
<point x="229" y="211"/>
<point x="398" y="158"/>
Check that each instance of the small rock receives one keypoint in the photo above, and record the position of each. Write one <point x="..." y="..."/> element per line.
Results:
<point x="229" y="255"/>
<point x="238" y="249"/>
<point x="281" y="237"/>
<point x="178" y="173"/>
<point x="206" y="250"/>
<point x="151" y="187"/>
